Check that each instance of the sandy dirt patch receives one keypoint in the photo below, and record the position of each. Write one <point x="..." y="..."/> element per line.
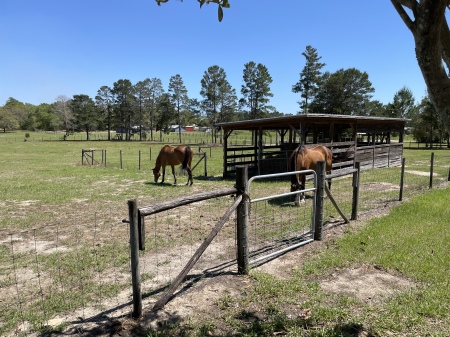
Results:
<point x="367" y="283"/>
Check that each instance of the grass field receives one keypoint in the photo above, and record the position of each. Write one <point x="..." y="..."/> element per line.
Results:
<point x="43" y="182"/>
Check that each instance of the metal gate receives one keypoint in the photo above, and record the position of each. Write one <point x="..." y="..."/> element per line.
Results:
<point x="276" y="222"/>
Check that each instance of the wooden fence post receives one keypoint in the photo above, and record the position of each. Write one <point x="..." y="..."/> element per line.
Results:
<point x="402" y="180"/>
<point x="242" y="219"/>
<point x="134" y="248"/>
<point x="139" y="160"/>
<point x="320" y="197"/>
<point x="431" y="169"/>
<point x="355" y="185"/>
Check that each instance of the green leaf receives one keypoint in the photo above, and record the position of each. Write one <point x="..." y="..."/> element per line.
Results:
<point x="220" y="13"/>
<point x="225" y="4"/>
<point x="202" y="2"/>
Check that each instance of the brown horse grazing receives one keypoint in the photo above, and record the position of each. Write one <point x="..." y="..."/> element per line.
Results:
<point x="172" y="156"/>
<point x="306" y="158"/>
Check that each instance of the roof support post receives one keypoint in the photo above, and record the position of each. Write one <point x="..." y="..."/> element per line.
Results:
<point x="303" y="133"/>
<point x="315" y="134"/>
<point x="331" y="132"/>
<point x="260" y="148"/>
<point x="227" y="133"/>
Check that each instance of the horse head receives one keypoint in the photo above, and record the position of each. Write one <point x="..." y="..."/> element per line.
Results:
<point x="156" y="174"/>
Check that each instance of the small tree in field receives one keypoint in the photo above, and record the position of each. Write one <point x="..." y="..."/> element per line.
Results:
<point x="85" y="112"/>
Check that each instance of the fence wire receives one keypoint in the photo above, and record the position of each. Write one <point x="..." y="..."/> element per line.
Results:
<point x="380" y="186"/>
<point x="171" y="239"/>
<point x="277" y="224"/>
<point x="62" y="271"/>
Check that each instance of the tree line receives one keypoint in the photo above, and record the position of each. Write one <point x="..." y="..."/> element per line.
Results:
<point x="147" y="109"/>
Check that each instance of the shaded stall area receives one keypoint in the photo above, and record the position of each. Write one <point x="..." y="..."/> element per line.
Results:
<point x="372" y="141"/>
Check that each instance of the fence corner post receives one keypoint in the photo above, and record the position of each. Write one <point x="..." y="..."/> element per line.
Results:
<point x="320" y="197"/>
<point x="134" y="249"/>
<point x="242" y="219"/>
<point x="355" y="183"/>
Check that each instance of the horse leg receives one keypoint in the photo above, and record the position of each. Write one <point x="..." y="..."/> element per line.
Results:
<point x="163" y="174"/>
<point x="174" y="176"/>
<point x="302" y="186"/>
<point x="189" y="171"/>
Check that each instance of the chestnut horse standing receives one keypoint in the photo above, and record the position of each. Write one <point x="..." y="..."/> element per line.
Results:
<point x="304" y="158"/>
<point x="172" y="156"/>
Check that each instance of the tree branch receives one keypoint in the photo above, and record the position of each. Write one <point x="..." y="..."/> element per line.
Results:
<point x="445" y="42"/>
<point x="398" y="5"/>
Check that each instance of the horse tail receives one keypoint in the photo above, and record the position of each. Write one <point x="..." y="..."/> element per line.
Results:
<point x="293" y="163"/>
<point x="187" y="157"/>
<point x="329" y="159"/>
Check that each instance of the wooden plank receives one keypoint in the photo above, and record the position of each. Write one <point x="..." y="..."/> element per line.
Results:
<point x="148" y="210"/>
<point x="240" y="163"/>
<point x="340" y="173"/>
<point x="243" y="148"/>
<point x="242" y="155"/>
<point x="342" y="164"/>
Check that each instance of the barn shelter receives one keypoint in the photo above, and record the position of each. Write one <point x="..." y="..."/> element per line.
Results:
<point x="373" y="141"/>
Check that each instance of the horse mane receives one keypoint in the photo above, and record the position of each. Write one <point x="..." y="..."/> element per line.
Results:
<point x="158" y="160"/>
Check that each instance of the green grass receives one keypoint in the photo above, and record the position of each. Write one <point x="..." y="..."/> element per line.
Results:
<point x="411" y="242"/>
<point x="44" y="184"/>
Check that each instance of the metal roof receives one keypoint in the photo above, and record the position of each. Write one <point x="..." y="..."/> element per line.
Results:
<point x="287" y="121"/>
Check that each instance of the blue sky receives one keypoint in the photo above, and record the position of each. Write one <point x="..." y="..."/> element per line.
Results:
<point x="68" y="47"/>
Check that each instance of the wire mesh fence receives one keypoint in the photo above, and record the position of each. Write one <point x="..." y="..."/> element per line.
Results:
<point x="277" y="222"/>
<point x="173" y="236"/>
<point x="66" y="272"/>
<point x="71" y="270"/>
<point x="380" y="186"/>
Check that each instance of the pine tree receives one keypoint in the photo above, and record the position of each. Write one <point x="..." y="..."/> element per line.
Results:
<point x="219" y="97"/>
<point x="256" y="89"/>
<point x="309" y="78"/>
<point x="178" y="95"/>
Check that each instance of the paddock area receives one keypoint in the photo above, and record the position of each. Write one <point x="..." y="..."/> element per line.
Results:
<point x="378" y="142"/>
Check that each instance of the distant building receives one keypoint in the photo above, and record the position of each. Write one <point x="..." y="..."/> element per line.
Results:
<point x="177" y="128"/>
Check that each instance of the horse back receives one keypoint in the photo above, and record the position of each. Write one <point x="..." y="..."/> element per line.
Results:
<point x="327" y="156"/>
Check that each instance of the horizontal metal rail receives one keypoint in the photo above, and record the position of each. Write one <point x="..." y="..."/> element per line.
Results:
<point x="281" y="251"/>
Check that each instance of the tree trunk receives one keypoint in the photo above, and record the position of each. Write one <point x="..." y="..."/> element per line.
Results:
<point x="432" y="43"/>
